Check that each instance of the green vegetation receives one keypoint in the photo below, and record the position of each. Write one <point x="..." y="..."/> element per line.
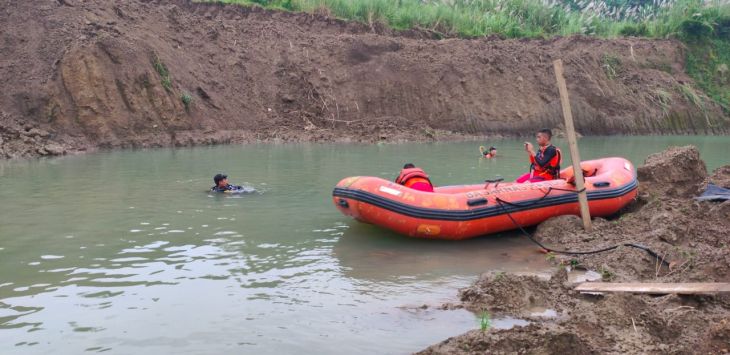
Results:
<point x="634" y="30"/>
<point x="691" y="95"/>
<point x="606" y="274"/>
<point x="664" y="66"/>
<point x="611" y="66"/>
<point x="525" y="18"/>
<point x="485" y="321"/>
<point x="161" y="69"/>
<point x="703" y="25"/>
<point x="664" y="100"/>
<point x="186" y="99"/>
<point x="707" y="63"/>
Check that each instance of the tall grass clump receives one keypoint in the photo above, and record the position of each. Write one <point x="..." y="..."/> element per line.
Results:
<point x="705" y="29"/>
<point x="485" y="321"/>
<point x="164" y="73"/>
<point x="187" y="100"/>
<point x="523" y="18"/>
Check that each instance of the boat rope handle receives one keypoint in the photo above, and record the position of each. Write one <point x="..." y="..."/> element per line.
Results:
<point x="528" y="204"/>
<point x="495" y="181"/>
<point x="501" y="204"/>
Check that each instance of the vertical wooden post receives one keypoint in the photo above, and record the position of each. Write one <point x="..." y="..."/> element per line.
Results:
<point x="573" y="143"/>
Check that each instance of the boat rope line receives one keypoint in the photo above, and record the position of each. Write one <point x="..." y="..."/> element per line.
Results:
<point x="533" y="202"/>
<point x="478" y="213"/>
<point x="529" y="236"/>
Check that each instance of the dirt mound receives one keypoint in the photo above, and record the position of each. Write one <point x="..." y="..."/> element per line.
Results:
<point x="158" y="73"/>
<point x="19" y="139"/>
<point x="612" y="323"/>
<point x="551" y="230"/>
<point x="690" y="236"/>
<point x="721" y="176"/>
<point x="506" y="294"/>
<point x="532" y="339"/>
<point x="665" y="218"/>
<point x="676" y="171"/>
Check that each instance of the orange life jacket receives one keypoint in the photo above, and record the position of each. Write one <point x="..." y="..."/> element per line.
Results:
<point x="408" y="177"/>
<point x="552" y="170"/>
<point x="586" y="173"/>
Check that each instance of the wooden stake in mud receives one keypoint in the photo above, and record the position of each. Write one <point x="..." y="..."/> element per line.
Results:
<point x="573" y="143"/>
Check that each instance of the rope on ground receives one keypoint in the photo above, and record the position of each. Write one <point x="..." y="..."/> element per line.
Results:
<point x="501" y="204"/>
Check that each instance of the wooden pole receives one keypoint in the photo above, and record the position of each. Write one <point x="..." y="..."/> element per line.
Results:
<point x="573" y="144"/>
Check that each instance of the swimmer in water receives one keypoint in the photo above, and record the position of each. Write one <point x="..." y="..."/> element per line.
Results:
<point x="488" y="153"/>
<point x="222" y="185"/>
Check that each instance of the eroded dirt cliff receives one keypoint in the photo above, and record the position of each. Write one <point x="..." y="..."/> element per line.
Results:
<point x="80" y="75"/>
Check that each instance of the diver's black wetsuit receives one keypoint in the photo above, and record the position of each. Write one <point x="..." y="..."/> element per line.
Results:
<point x="228" y="187"/>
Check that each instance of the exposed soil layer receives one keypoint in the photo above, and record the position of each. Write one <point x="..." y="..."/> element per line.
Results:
<point x="691" y="236"/>
<point x="81" y="75"/>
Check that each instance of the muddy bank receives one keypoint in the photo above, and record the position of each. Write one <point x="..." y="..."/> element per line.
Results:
<point x="107" y="74"/>
<point x="691" y="236"/>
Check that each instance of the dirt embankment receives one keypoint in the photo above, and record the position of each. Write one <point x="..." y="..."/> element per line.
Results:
<point x="692" y="236"/>
<point x="80" y="75"/>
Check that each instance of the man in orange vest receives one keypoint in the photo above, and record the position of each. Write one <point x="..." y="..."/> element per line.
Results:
<point x="414" y="178"/>
<point x="489" y="154"/>
<point x="545" y="163"/>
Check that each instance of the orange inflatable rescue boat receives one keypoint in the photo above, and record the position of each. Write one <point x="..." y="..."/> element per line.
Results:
<point x="467" y="211"/>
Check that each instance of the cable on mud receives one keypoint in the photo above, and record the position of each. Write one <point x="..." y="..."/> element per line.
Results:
<point x="529" y="236"/>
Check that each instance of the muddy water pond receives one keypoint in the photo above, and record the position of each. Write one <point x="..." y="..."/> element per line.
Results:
<point x="125" y="251"/>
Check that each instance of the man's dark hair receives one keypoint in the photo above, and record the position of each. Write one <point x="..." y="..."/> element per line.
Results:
<point x="546" y="131"/>
<point x="492" y="148"/>
<point x="218" y="177"/>
<point x="409" y="166"/>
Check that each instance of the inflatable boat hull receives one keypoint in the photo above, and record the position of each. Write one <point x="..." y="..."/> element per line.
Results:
<point x="467" y="211"/>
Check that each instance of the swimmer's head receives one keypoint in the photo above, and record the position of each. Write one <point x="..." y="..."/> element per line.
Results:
<point x="220" y="178"/>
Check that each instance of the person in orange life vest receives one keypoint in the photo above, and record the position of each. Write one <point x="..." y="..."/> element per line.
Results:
<point x="545" y="163"/>
<point x="490" y="153"/>
<point x="414" y="178"/>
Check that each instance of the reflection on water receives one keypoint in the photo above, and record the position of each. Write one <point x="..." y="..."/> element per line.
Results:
<point x="128" y="252"/>
<point x="387" y="258"/>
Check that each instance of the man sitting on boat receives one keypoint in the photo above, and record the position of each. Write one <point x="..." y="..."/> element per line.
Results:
<point x="545" y="163"/>
<point x="415" y="178"/>
<point x="222" y="185"/>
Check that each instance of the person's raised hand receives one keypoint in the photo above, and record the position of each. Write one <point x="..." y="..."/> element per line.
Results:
<point x="528" y="148"/>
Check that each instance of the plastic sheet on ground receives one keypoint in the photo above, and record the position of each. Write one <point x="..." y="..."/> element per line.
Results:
<point x="714" y="193"/>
